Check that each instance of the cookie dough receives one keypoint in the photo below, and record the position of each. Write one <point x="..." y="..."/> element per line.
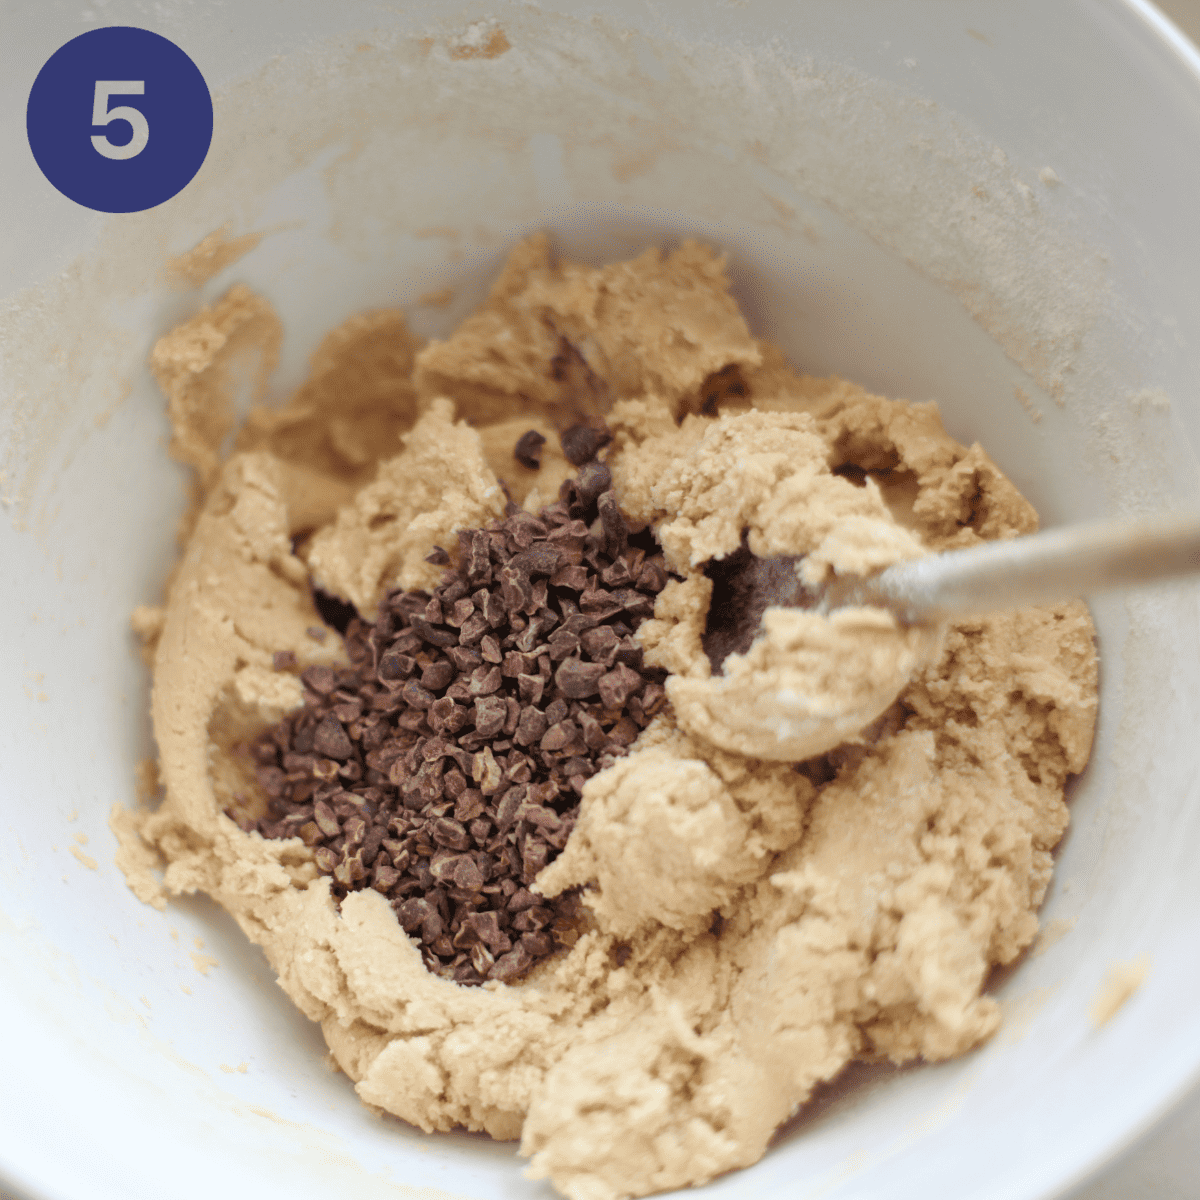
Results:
<point x="750" y="926"/>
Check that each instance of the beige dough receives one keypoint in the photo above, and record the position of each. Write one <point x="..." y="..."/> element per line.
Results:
<point x="750" y="927"/>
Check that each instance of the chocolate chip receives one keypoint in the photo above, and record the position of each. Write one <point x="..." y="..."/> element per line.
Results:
<point x="540" y="559"/>
<point x="372" y="842"/>
<point x="616" y="530"/>
<point x="464" y="657"/>
<point x="569" y="539"/>
<point x="516" y="588"/>
<point x="623" y="732"/>
<point x="618" y="685"/>
<point x="593" y="732"/>
<point x="573" y="576"/>
<point x="629" y="652"/>
<point x="320" y="678"/>
<point x="512" y="965"/>
<point x="444" y="765"/>
<point x="413" y="913"/>
<point x="563" y="644"/>
<point x="653" y="575"/>
<point x="599" y="644"/>
<point x="577" y="679"/>
<point x="490" y="712"/>
<point x="445" y="716"/>
<point x="485" y="680"/>
<point x="330" y="739"/>
<point x="535" y="856"/>
<point x="451" y="834"/>
<point x="407" y="641"/>
<point x="523" y="528"/>
<point x="512" y="715"/>
<point x="531" y="688"/>
<point x="474" y="627"/>
<point x="515" y="663"/>
<point x="617" y="574"/>
<point x="479" y="563"/>
<point x="416" y="696"/>
<point x="486" y="927"/>
<point x="581" y="442"/>
<point x="459" y="611"/>
<point x="557" y="736"/>
<point x="599" y="603"/>
<point x="467" y="874"/>
<point x="431" y="634"/>
<point x="469" y="805"/>
<point x="438" y="557"/>
<point x="494" y="611"/>
<point x="384" y="879"/>
<point x="325" y="821"/>
<point x="635" y="603"/>
<point x="509" y="806"/>
<point x="530" y="726"/>
<point x="594" y="478"/>
<point x="528" y="450"/>
<point x="437" y="675"/>
<point x="486" y="772"/>
<point x="580" y="622"/>
<point x="537" y="944"/>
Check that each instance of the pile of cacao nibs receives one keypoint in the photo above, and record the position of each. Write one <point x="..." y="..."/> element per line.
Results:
<point x="444" y="767"/>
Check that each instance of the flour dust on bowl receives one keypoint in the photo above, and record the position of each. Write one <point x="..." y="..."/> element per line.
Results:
<point x="541" y="889"/>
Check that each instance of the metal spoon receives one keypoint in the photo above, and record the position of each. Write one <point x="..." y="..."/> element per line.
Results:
<point x="789" y="720"/>
<point x="1040" y="568"/>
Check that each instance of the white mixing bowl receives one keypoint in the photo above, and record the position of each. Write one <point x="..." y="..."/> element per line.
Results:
<point x="989" y="204"/>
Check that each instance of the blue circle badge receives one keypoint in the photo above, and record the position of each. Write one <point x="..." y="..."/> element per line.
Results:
<point x="119" y="119"/>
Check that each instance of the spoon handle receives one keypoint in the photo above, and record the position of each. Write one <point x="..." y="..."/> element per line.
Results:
<point x="1058" y="564"/>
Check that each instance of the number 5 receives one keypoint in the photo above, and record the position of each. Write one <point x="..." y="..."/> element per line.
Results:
<point x="102" y="115"/>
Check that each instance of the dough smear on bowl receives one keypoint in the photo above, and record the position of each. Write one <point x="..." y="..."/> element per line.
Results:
<point x="748" y="925"/>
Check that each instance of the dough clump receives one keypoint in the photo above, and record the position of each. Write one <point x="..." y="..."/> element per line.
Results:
<point x="750" y="926"/>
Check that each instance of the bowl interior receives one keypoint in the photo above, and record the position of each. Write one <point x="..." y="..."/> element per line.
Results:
<point x="885" y="188"/>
